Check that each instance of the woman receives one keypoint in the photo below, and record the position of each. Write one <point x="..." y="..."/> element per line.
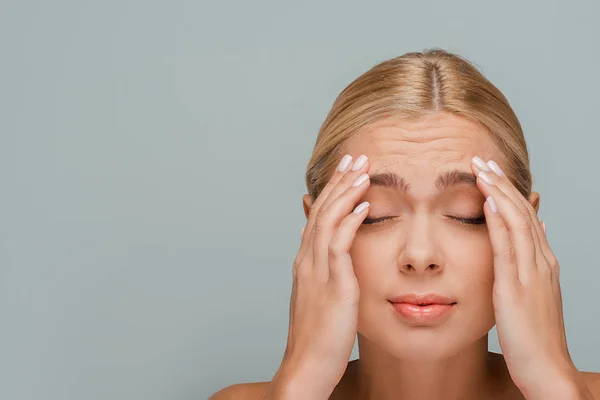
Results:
<point x="421" y="235"/>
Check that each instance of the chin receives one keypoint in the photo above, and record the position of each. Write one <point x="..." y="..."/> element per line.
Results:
<point x="432" y="341"/>
<point x="427" y="347"/>
<point x="421" y="343"/>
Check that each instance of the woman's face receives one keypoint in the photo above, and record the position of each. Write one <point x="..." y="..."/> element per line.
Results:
<point x="424" y="247"/>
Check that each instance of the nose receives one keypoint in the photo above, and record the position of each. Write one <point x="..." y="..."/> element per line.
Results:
<point x="421" y="252"/>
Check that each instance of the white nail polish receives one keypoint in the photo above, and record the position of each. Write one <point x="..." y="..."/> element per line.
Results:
<point x="361" y="179"/>
<point x="485" y="177"/>
<point x="359" y="163"/>
<point x="479" y="163"/>
<point x="344" y="163"/>
<point x="361" y="207"/>
<point x="495" y="167"/>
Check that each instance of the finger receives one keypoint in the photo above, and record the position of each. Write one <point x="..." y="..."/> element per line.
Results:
<point x="526" y="208"/>
<point x="550" y="256"/>
<point x="360" y="166"/>
<point x="340" y="263"/>
<point x="329" y="220"/>
<point x="518" y="225"/>
<point x="319" y="224"/>
<point x="341" y="169"/>
<point x="505" y="269"/>
<point x="540" y="228"/>
<point x="504" y="253"/>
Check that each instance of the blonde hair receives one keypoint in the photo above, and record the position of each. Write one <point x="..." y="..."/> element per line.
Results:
<point x="410" y="86"/>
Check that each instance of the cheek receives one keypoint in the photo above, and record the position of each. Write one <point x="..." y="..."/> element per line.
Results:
<point x="371" y="259"/>
<point x="477" y="278"/>
<point x="471" y="248"/>
<point x="477" y="258"/>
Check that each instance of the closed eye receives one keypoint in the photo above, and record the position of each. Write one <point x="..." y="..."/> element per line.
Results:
<point x="470" y="221"/>
<point x="371" y="221"/>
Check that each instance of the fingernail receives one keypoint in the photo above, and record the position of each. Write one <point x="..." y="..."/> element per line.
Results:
<point x="344" y="163"/>
<point x="492" y="204"/>
<point x="361" y="207"/>
<point x="485" y="177"/>
<point x="495" y="167"/>
<point x="361" y="179"/>
<point x="479" y="163"/>
<point x="359" y="163"/>
<point x="544" y="227"/>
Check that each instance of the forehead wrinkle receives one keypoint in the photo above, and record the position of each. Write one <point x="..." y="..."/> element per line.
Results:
<point x="425" y="145"/>
<point x="383" y="139"/>
<point x="443" y="148"/>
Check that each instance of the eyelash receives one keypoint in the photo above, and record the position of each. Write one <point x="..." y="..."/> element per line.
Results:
<point x="465" y="221"/>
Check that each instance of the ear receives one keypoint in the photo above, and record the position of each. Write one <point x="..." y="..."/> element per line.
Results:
<point x="534" y="200"/>
<point x="307" y="202"/>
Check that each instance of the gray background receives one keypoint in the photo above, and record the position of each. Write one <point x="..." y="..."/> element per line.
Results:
<point x="152" y="161"/>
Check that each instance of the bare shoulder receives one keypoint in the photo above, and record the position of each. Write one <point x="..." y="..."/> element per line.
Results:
<point x="249" y="391"/>
<point x="593" y="382"/>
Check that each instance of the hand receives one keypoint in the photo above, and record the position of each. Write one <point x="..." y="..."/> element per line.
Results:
<point x="324" y="300"/>
<point x="526" y="293"/>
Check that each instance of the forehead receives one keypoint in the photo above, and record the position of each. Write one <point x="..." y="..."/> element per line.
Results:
<point x="424" y="146"/>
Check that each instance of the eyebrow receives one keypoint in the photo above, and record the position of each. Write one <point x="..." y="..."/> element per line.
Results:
<point x="444" y="181"/>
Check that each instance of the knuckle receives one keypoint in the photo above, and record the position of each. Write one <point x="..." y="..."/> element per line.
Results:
<point x="554" y="264"/>
<point x="327" y="189"/>
<point x="334" y="251"/>
<point x="509" y="254"/>
<point x="545" y="270"/>
<point x="296" y="268"/>
<point x="314" y="210"/>
<point x="529" y="208"/>
<point x="330" y="184"/>
<point x="296" y="265"/>
<point x="349" y="178"/>
<point x="321" y="221"/>
<point x="524" y="225"/>
<point x="300" y="270"/>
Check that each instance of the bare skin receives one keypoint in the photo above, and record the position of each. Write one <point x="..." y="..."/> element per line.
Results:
<point x="346" y="389"/>
<point x="421" y="248"/>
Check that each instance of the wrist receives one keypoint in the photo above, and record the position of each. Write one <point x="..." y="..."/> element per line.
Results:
<point x="567" y="385"/>
<point x="297" y="380"/>
<point x="576" y="387"/>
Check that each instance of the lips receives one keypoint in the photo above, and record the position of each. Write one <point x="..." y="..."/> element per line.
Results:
<point x="425" y="309"/>
<point x="423" y="299"/>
